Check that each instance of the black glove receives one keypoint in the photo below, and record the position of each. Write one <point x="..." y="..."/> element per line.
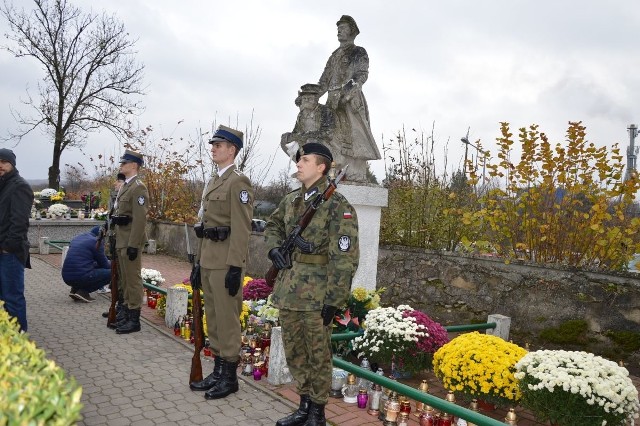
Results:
<point x="199" y="229"/>
<point x="278" y="259"/>
<point x="232" y="280"/>
<point x="194" y="278"/>
<point x="132" y="252"/>
<point x="328" y="313"/>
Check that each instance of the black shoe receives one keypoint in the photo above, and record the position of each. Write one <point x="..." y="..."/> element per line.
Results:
<point x="299" y="417"/>
<point x="227" y="384"/>
<point x="211" y="379"/>
<point x="316" y="415"/>
<point x="133" y="323"/>
<point x="82" y="295"/>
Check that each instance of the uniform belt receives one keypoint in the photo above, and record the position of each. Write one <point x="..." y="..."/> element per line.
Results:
<point x="316" y="259"/>
<point x="217" y="233"/>
<point x="120" y="219"/>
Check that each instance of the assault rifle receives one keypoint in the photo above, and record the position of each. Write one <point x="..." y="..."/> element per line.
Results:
<point x="198" y="337"/>
<point x="286" y="249"/>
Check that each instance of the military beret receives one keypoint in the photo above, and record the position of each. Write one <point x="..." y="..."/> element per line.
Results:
<point x="314" y="148"/>
<point x="228" y="134"/>
<point x="132" y="157"/>
<point x="346" y="19"/>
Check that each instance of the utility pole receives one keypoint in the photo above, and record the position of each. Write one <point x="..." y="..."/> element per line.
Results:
<point x="632" y="151"/>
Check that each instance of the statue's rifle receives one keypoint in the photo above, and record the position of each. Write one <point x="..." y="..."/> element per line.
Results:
<point x="198" y="338"/>
<point x="286" y="249"/>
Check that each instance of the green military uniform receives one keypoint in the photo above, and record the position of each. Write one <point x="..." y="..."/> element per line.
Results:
<point x="133" y="202"/>
<point x="227" y="202"/>
<point x="322" y="277"/>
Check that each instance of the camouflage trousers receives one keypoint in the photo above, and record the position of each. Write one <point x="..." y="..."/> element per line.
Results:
<point x="307" y="346"/>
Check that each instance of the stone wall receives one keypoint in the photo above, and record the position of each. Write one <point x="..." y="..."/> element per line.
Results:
<point x="455" y="289"/>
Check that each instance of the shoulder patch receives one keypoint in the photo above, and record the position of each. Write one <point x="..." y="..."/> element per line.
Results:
<point x="141" y="200"/>
<point x="344" y="243"/>
<point x="244" y="196"/>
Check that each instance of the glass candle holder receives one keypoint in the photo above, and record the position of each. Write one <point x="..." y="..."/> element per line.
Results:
<point x="363" y="398"/>
<point x="257" y="373"/>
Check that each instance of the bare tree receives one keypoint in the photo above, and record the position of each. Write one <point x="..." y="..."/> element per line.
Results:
<point x="90" y="73"/>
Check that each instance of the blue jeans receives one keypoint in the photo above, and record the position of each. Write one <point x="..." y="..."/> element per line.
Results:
<point x="12" y="288"/>
<point x="93" y="281"/>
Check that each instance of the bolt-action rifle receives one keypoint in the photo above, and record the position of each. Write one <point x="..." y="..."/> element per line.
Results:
<point x="198" y="337"/>
<point x="286" y="249"/>
<point x="111" y="234"/>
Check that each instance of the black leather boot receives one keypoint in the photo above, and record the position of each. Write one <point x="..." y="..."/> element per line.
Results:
<point x="227" y="384"/>
<point x="133" y="323"/>
<point x="122" y="316"/>
<point x="208" y="382"/>
<point x="316" y="415"/>
<point x="298" y="417"/>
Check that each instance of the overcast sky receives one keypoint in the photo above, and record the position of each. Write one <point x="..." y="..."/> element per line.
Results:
<point x="457" y="63"/>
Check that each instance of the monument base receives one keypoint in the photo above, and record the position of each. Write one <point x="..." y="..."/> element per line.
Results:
<point x="368" y="202"/>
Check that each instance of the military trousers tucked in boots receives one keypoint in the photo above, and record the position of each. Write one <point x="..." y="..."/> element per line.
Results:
<point x="133" y="322"/>
<point x="298" y="417"/>
<point x="209" y="381"/>
<point x="228" y="382"/>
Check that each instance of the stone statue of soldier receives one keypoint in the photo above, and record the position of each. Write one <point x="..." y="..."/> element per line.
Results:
<point x="346" y="71"/>
<point x="342" y="124"/>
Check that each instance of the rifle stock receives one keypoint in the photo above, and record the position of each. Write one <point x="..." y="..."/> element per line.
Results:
<point x="198" y="339"/>
<point x="303" y="222"/>
<point x="111" y="318"/>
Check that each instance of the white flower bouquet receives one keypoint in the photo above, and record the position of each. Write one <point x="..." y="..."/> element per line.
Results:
<point x="58" y="209"/>
<point x="576" y="388"/>
<point x="268" y="312"/>
<point x="392" y="336"/>
<point x="48" y="192"/>
<point x="151" y="276"/>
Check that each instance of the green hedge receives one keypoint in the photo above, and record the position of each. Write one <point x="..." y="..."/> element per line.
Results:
<point x="33" y="389"/>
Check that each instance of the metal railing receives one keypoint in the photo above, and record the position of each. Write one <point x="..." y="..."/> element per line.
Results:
<point x="157" y="289"/>
<point x="56" y="244"/>
<point x="408" y="391"/>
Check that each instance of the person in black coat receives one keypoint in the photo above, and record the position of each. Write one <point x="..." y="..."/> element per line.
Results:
<point x="86" y="267"/>
<point x="16" y="199"/>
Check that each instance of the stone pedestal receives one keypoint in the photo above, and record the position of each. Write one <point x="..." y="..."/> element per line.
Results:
<point x="44" y="247"/>
<point x="278" y="370"/>
<point x="151" y="247"/>
<point x="177" y="300"/>
<point x="368" y="202"/>
<point x="503" y="325"/>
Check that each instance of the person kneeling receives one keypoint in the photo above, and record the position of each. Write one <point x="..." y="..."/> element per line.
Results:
<point x="86" y="267"/>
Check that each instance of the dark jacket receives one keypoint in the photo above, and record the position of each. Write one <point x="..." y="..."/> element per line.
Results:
<point x="16" y="199"/>
<point x="83" y="257"/>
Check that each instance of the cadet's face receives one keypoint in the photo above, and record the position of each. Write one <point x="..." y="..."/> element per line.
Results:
<point x="128" y="169"/>
<point x="308" y="169"/>
<point x="344" y="32"/>
<point x="5" y="167"/>
<point x="222" y="153"/>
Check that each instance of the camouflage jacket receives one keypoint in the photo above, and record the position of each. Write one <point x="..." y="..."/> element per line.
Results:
<point x="324" y="275"/>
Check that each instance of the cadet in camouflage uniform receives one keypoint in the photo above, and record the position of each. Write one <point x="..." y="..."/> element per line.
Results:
<point x="227" y="209"/>
<point x="309" y="293"/>
<point x="130" y="220"/>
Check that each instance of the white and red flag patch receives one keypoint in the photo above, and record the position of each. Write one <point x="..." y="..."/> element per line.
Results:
<point x="346" y="215"/>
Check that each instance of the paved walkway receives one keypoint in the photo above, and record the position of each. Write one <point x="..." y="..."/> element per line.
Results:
<point x="136" y="379"/>
<point x="142" y="378"/>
